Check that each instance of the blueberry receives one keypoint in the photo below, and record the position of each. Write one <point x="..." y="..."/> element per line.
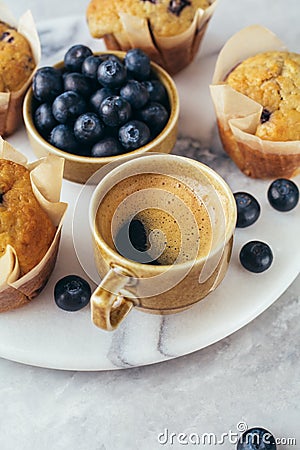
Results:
<point x="90" y="66"/>
<point x="78" y="83"/>
<point x="88" y="128"/>
<point x="256" y="256"/>
<point x="283" y="194"/>
<point x="134" y="134"/>
<point x="135" y="93"/>
<point x="137" y="64"/>
<point x="47" y="84"/>
<point x="44" y="119"/>
<point x="155" y="116"/>
<point x="72" y="293"/>
<point x="75" y="56"/>
<point x="115" y="111"/>
<point x="157" y="91"/>
<point x="67" y="106"/>
<point x="111" y="57"/>
<point x="108" y="146"/>
<point x="98" y="97"/>
<point x="248" y="209"/>
<point x="62" y="137"/>
<point x="176" y="6"/>
<point x="265" y="115"/>
<point x="111" y="73"/>
<point x="256" y="439"/>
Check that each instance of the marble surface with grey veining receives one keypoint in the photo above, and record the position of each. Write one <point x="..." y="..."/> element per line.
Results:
<point x="251" y="377"/>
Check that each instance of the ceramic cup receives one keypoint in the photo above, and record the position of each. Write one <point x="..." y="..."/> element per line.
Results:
<point x="162" y="229"/>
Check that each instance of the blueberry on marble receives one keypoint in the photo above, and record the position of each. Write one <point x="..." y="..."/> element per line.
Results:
<point x="157" y="91"/>
<point x="176" y="6"/>
<point x="256" y="256"/>
<point x="62" y="137"/>
<point x="108" y="146"/>
<point x="68" y="106"/>
<point x="88" y="128"/>
<point x="135" y="93"/>
<point x="283" y="194"/>
<point x="47" y="84"/>
<point x="77" y="82"/>
<point x="75" y="56"/>
<point x="115" y="111"/>
<point x="155" y="116"/>
<point x="72" y="293"/>
<point x="137" y="64"/>
<point x="256" y="439"/>
<point x="248" y="209"/>
<point x="44" y="119"/>
<point x="134" y="134"/>
<point x="98" y="97"/>
<point x="112" y="73"/>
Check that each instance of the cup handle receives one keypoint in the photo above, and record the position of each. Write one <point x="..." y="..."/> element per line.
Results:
<point x="109" y="302"/>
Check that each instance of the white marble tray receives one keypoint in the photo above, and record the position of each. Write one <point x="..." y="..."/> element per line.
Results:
<point x="41" y="334"/>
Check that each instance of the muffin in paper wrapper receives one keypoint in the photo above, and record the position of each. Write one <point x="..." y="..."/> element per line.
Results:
<point x="46" y="179"/>
<point x="172" y="53"/>
<point x="238" y="116"/>
<point x="11" y="102"/>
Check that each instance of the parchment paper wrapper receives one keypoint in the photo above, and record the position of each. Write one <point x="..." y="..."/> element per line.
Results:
<point x="238" y="115"/>
<point x="11" y="102"/>
<point x="46" y="178"/>
<point x="172" y="53"/>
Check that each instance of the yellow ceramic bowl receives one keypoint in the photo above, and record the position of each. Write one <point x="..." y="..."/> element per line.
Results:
<point x="81" y="168"/>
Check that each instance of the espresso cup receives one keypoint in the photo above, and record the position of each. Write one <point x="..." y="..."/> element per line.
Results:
<point x="162" y="229"/>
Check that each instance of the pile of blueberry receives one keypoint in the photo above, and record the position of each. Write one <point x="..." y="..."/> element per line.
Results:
<point x="99" y="105"/>
<point x="283" y="195"/>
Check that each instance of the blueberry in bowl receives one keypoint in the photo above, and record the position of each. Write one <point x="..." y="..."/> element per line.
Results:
<point x="94" y="108"/>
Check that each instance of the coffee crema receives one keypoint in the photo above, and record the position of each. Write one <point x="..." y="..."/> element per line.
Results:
<point x="177" y="224"/>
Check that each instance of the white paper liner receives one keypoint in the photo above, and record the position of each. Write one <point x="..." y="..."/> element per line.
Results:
<point x="238" y="116"/>
<point x="172" y="53"/>
<point x="46" y="178"/>
<point x="11" y="102"/>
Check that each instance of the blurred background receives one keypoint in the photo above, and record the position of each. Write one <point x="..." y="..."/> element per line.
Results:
<point x="42" y="9"/>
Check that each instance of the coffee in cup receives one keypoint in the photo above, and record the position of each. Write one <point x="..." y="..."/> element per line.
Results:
<point x="162" y="228"/>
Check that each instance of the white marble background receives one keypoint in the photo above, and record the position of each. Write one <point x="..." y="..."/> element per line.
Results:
<point x="251" y="376"/>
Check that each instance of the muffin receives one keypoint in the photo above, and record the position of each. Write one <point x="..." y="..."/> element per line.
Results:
<point x="272" y="79"/>
<point x="16" y="59"/>
<point x="31" y="217"/>
<point x="256" y="97"/>
<point x="19" y="57"/>
<point x="169" y="31"/>
<point x="23" y="223"/>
